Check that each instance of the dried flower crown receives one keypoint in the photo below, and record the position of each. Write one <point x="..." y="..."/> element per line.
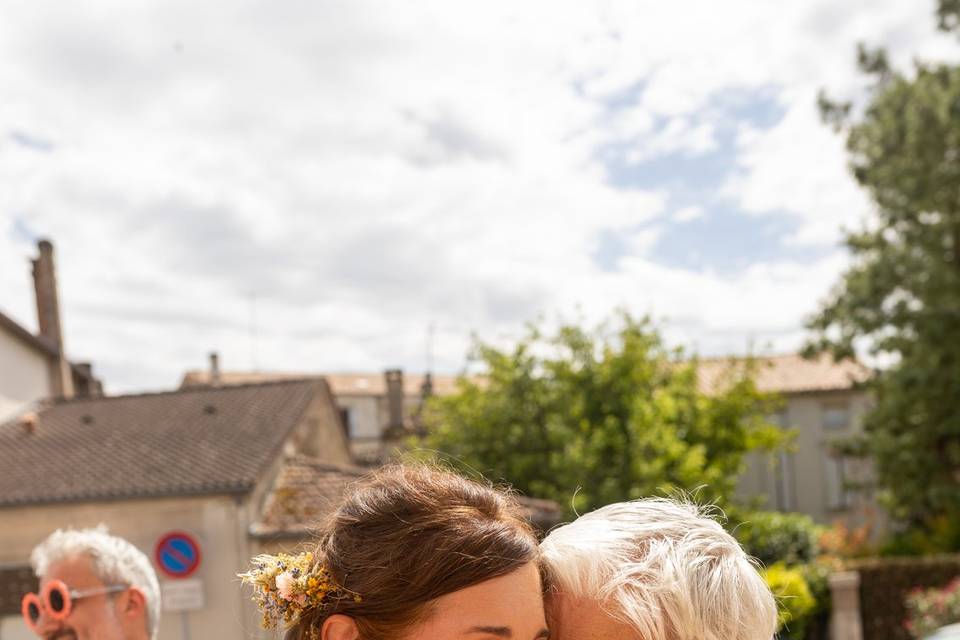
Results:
<point x="286" y="585"/>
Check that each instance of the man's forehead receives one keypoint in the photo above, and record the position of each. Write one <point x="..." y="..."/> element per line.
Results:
<point x="75" y="570"/>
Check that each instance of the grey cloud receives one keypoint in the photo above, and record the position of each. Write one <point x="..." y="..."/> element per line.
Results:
<point x="211" y="243"/>
<point x="449" y="139"/>
<point x="166" y="315"/>
<point x="398" y="266"/>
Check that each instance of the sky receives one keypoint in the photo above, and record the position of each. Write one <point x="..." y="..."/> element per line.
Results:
<point x="350" y="186"/>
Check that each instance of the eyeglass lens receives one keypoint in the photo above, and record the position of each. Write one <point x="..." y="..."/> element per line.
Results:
<point x="56" y="600"/>
<point x="33" y="610"/>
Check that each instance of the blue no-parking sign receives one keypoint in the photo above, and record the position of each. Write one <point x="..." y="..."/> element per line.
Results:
<point x="177" y="554"/>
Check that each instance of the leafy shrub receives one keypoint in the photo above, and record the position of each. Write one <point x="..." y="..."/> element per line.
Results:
<point x="885" y="584"/>
<point x="795" y="603"/>
<point x="930" y="609"/>
<point x="772" y="537"/>
<point x="817" y="575"/>
<point x="942" y="535"/>
<point x="843" y="541"/>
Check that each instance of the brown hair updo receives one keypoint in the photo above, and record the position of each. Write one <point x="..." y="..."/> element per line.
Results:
<point x="410" y="534"/>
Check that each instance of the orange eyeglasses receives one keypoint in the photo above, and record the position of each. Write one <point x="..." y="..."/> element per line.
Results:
<point x="56" y="599"/>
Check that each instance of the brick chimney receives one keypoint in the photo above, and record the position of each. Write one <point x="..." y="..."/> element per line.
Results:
<point x="214" y="369"/>
<point x="48" y="319"/>
<point x="394" y="380"/>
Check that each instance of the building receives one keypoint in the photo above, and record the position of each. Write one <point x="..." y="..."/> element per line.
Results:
<point x="198" y="461"/>
<point x="307" y="489"/>
<point x="34" y="367"/>
<point x="824" y="402"/>
<point x="376" y="408"/>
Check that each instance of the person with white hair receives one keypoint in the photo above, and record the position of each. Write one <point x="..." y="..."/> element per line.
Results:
<point x="653" y="569"/>
<point x="93" y="586"/>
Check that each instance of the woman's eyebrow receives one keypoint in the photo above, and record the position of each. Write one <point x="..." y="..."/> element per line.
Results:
<point x="506" y="632"/>
<point x="503" y="632"/>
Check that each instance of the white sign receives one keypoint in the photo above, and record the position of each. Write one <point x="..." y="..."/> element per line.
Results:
<point x="182" y="595"/>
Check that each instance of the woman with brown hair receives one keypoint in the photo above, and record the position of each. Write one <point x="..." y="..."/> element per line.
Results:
<point x="412" y="552"/>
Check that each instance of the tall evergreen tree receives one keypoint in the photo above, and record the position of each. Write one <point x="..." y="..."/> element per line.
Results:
<point x="900" y="299"/>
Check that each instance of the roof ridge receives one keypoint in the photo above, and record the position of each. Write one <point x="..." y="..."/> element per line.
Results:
<point x="187" y="390"/>
<point x="316" y="374"/>
<point x="771" y="356"/>
<point x="317" y="463"/>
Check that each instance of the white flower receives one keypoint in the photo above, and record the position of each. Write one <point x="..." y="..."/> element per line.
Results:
<point x="285" y="583"/>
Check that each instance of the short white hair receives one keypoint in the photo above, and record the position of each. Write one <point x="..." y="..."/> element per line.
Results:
<point x="114" y="560"/>
<point x="665" y="567"/>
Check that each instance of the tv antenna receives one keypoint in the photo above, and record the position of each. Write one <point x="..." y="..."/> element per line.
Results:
<point x="431" y="331"/>
<point x="253" y="331"/>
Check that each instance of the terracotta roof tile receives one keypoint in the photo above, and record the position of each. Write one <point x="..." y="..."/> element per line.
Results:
<point x="342" y="384"/>
<point x="307" y="491"/>
<point x="196" y="441"/>
<point x="304" y="494"/>
<point x="778" y="374"/>
<point x="787" y="374"/>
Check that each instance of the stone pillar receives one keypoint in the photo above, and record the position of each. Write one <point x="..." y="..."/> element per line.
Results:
<point x="845" y="621"/>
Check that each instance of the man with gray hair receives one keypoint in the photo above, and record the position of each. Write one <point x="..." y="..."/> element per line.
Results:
<point x="653" y="569"/>
<point x="93" y="586"/>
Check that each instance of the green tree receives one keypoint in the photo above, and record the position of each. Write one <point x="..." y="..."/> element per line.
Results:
<point x="900" y="299"/>
<point x="602" y="416"/>
<point x="948" y="15"/>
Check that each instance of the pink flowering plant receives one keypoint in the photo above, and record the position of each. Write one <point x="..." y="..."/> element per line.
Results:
<point x="930" y="609"/>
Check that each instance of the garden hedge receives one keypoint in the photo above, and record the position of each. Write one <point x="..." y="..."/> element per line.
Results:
<point x="884" y="584"/>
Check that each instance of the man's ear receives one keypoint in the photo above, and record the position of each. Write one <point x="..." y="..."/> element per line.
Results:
<point x="134" y="603"/>
<point x="339" y="627"/>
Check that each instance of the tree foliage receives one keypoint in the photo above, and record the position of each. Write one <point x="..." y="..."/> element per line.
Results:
<point x="901" y="296"/>
<point x="600" y="415"/>
<point x="948" y="15"/>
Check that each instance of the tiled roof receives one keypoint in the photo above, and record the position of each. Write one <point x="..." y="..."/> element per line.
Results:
<point x="343" y="384"/>
<point x="777" y="374"/>
<point x="307" y="491"/>
<point x="188" y="442"/>
<point x="787" y="374"/>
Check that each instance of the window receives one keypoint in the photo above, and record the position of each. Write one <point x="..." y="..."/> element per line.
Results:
<point x="835" y="415"/>
<point x="784" y="480"/>
<point x="835" y="482"/>
<point x="783" y="470"/>
<point x="346" y="416"/>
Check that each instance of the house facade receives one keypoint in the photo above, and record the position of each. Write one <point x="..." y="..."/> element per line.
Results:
<point x="197" y="462"/>
<point x="823" y="403"/>
<point x="34" y="367"/>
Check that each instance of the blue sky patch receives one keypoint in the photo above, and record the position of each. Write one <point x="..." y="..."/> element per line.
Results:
<point x="725" y="238"/>
<point x="32" y="142"/>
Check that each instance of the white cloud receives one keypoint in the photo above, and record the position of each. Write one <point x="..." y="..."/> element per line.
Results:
<point x="679" y="135"/>
<point x="365" y="170"/>
<point x="688" y="214"/>
<point x="799" y="168"/>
